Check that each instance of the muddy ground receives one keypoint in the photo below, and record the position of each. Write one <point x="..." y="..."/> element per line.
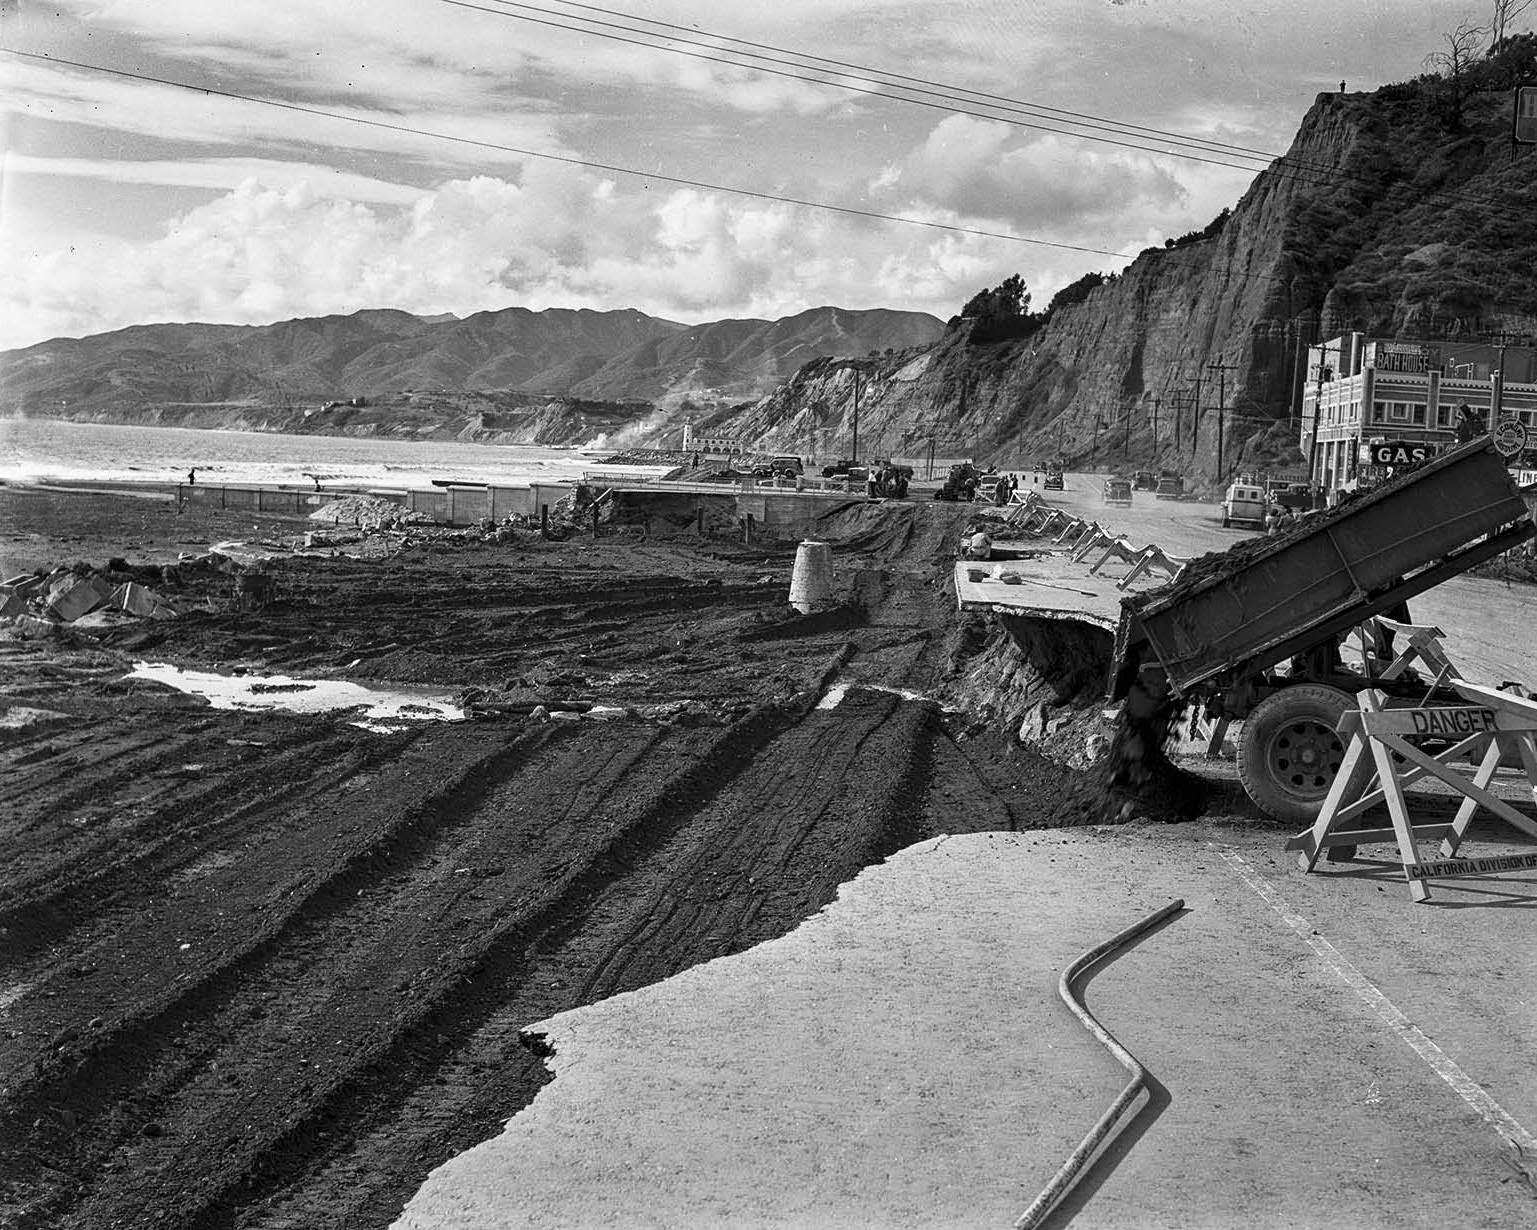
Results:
<point x="259" y="969"/>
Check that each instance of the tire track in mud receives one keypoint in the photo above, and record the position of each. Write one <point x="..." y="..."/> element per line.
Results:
<point x="134" y="854"/>
<point x="142" y="994"/>
<point x="175" y="1031"/>
<point x="759" y="851"/>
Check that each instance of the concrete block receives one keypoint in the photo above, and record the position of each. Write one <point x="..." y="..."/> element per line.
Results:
<point x="70" y="597"/>
<point x="136" y="599"/>
<point x="11" y="602"/>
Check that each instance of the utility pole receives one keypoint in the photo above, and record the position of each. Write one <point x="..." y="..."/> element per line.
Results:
<point x="1502" y="341"/>
<point x="1323" y="374"/>
<point x="1195" y="421"/>
<point x="1156" y="400"/>
<point x="1222" y="369"/>
<point x="1126" y="438"/>
<point x="854" y="451"/>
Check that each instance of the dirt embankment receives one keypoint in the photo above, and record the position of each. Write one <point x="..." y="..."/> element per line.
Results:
<point x="261" y="969"/>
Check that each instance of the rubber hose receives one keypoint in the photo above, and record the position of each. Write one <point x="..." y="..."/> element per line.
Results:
<point x="1090" y="1144"/>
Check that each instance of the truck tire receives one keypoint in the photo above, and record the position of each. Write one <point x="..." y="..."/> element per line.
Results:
<point x="1289" y="750"/>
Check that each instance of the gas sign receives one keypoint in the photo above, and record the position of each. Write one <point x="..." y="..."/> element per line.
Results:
<point x="1400" y="452"/>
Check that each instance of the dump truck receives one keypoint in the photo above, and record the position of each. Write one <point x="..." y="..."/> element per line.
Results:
<point x="1255" y="633"/>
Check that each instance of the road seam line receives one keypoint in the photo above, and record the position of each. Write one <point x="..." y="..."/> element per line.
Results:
<point x="1438" y="1060"/>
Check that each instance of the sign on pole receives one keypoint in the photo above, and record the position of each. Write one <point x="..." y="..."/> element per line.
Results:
<point x="1509" y="437"/>
<point x="1525" y="129"/>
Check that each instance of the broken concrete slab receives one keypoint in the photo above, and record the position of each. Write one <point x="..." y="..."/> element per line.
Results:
<point x="139" y="600"/>
<point x="70" y="597"/>
<point x="11" y="602"/>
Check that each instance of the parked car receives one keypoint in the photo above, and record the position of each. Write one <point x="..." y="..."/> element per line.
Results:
<point x="1118" y="491"/>
<point x="1170" y="487"/>
<point x="1246" y="503"/>
<point x="1145" y="480"/>
<point x="1053" y="481"/>
<point x="1296" y="496"/>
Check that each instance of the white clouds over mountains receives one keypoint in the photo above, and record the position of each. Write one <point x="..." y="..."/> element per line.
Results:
<point x="559" y="237"/>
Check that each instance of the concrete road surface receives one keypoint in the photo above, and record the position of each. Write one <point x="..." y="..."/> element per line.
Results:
<point x="1326" y="1054"/>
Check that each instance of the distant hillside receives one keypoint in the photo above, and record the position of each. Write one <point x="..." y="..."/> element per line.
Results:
<point x="1405" y="211"/>
<point x="276" y="376"/>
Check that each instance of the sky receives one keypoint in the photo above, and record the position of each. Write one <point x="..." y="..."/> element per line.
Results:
<point x="129" y="201"/>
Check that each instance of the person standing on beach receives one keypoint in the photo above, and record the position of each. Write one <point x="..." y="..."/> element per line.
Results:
<point x="192" y="476"/>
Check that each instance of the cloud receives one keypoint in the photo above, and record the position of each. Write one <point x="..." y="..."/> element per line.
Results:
<point x="558" y="237"/>
<point x="985" y="169"/>
<point x="219" y="173"/>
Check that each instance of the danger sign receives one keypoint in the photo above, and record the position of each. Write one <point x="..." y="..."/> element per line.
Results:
<point x="1400" y="453"/>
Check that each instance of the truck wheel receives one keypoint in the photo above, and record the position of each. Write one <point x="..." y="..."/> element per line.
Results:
<point x="1289" y="750"/>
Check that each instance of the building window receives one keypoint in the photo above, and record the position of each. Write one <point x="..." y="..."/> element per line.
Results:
<point x="1418" y="414"/>
<point x="1398" y="411"/>
<point x="1379" y="411"/>
<point x="1443" y="416"/>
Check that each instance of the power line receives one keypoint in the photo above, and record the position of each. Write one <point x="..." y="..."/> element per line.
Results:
<point x="580" y="162"/>
<point x="1305" y="170"/>
<point x="861" y="73"/>
<point x="950" y="89"/>
<point x="837" y="85"/>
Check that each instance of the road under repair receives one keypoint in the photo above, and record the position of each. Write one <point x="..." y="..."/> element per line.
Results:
<point x="270" y="969"/>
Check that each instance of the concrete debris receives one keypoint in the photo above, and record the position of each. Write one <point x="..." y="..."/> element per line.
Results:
<point x="369" y="512"/>
<point x="142" y="601"/>
<point x="70" y="597"/>
<point x="41" y="604"/>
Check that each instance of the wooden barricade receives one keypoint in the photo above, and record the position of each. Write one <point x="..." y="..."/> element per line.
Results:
<point x="1489" y="721"/>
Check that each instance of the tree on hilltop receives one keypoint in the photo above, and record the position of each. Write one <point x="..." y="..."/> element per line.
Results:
<point x="1008" y="299"/>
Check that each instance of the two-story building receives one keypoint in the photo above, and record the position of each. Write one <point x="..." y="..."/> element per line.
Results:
<point x="1363" y="390"/>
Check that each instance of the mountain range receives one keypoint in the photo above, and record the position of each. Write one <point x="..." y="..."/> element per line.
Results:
<point x="187" y="372"/>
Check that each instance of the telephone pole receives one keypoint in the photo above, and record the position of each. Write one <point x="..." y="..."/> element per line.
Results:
<point x="1195" y="423"/>
<point x="1222" y="369"/>
<point x="1323" y="373"/>
<point x="854" y="450"/>
<point x="1156" y="400"/>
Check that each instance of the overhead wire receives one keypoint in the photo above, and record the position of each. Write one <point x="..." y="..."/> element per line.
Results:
<point x="1305" y="170"/>
<point x="572" y="161"/>
<point x="839" y="85"/>
<point x="944" y="86"/>
<point x="1168" y="254"/>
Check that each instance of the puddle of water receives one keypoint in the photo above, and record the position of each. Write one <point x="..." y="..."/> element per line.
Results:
<point x="384" y="711"/>
<point x="834" y="695"/>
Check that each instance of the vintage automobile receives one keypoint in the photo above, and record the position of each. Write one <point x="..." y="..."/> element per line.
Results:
<point x="1170" y="487"/>
<point x="1118" y="491"/>
<point x="1244" y="503"/>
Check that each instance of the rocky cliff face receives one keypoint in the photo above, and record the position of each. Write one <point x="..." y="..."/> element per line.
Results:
<point x="1377" y="219"/>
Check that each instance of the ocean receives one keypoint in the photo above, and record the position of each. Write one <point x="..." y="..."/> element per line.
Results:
<point x="53" y="451"/>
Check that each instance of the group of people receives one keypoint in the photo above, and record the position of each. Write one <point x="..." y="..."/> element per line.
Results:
<point x="1280" y="518"/>
<point x="1004" y="489"/>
